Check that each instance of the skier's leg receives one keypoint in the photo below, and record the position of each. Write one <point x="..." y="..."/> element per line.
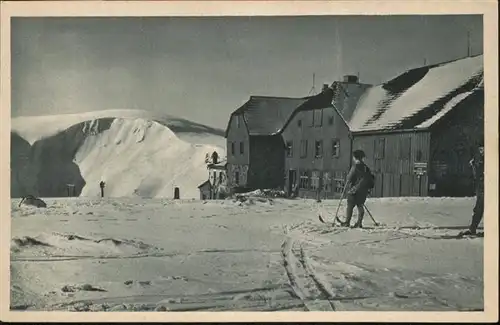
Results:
<point x="361" y="214"/>
<point x="360" y="202"/>
<point x="477" y="215"/>
<point x="351" y="202"/>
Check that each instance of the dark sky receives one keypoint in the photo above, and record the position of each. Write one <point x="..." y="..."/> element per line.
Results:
<point x="204" y="68"/>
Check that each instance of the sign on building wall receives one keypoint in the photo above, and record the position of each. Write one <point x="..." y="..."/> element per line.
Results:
<point x="420" y="168"/>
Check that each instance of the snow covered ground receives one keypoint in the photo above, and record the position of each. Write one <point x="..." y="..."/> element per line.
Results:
<point x="135" y="254"/>
<point x="137" y="153"/>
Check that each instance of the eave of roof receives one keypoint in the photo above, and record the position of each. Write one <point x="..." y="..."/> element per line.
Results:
<point x="203" y="184"/>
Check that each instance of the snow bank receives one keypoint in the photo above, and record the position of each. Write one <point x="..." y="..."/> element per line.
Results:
<point x="133" y="155"/>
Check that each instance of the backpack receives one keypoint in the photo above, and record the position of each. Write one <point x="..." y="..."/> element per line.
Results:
<point x="370" y="178"/>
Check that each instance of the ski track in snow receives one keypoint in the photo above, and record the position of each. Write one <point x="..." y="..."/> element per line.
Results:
<point x="163" y="255"/>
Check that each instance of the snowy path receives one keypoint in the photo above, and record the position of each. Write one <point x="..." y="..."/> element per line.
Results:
<point x="136" y="254"/>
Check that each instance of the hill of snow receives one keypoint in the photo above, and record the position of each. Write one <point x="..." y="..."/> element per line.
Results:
<point x="135" y="152"/>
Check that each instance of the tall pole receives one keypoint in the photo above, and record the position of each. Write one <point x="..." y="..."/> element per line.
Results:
<point x="313" y="89"/>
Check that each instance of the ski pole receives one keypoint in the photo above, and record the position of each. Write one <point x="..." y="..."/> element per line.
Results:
<point x="371" y="216"/>
<point x="341" y="198"/>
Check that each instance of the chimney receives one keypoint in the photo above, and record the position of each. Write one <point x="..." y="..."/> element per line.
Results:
<point x="351" y="79"/>
<point x="325" y="88"/>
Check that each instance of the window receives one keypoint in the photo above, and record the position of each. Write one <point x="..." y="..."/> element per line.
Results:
<point x="237" y="178"/>
<point x="241" y="148"/>
<point x="318" y="117"/>
<point x="379" y="148"/>
<point x="304" y="181"/>
<point x="419" y="156"/>
<point x="339" y="182"/>
<point x="232" y="148"/>
<point x="289" y="149"/>
<point x="335" y="148"/>
<point x="220" y="177"/>
<point x="299" y="123"/>
<point x="303" y="148"/>
<point x="318" y="149"/>
<point x="238" y="121"/>
<point x="330" y="120"/>
<point x="405" y="148"/>
<point x="311" y="117"/>
<point x="327" y="182"/>
<point x="315" y="180"/>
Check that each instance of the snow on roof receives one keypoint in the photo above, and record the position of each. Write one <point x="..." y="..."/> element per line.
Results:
<point x="219" y="165"/>
<point x="419" y="97"/>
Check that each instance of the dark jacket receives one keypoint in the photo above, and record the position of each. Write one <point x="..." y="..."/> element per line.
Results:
<point x="357" y="178"/>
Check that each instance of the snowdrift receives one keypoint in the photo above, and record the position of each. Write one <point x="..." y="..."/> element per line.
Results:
<point x="136" y="153"/>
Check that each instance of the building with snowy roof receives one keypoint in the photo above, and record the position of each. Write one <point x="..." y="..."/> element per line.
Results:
<point x="289" y="143"/>
<point x="420" y="129"/>
<point x="317" y="142"/>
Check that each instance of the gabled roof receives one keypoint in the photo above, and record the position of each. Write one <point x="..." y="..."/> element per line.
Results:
<point x="264" y="115"/>
<point x="419" y="97"/>
<point x="219" y="165"/>
<point x="204" y="183"/>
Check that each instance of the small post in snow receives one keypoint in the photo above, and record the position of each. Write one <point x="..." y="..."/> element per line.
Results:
<point x="71" y="189"/>
<point x="176" y="193"/>
<point x="101" y="185"/>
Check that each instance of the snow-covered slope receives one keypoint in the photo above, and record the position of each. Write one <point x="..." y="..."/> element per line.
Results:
<point x="135" y="152"/>
<point x="130" y="254"/>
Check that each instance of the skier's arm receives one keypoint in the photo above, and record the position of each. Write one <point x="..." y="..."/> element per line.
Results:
<point x="350" y="177"/>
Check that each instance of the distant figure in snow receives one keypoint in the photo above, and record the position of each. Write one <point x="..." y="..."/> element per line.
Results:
<point x="358" y="182"/>
<point x="207" y="158"/>
<point x="477" y="164"/>
<point x="295" y="190"/>
<point x="215" y="157"/>
<point x="101" y="185"/>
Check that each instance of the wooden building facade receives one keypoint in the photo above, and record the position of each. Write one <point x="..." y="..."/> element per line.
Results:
<point x="420" y="129"/>
<point x="255" y="148"/>
<point x="318" y="144"/>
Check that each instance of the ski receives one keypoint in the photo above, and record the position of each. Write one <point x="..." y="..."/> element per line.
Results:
<point x="468" y="235"/>
<point x="335" y="223"/>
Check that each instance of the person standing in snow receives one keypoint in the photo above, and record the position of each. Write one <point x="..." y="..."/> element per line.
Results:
<point x="477" y="164"/>
<point x="101" y="185"/>
<point x="357" y="187"/>
<point x="215" y="157"/>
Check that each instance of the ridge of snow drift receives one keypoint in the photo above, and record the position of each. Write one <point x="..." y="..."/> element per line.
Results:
<point x="134" y="155"/>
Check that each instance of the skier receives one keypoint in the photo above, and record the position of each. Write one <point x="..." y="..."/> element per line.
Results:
<point x="358" y="184"/>
<point x="477" y="164"/>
